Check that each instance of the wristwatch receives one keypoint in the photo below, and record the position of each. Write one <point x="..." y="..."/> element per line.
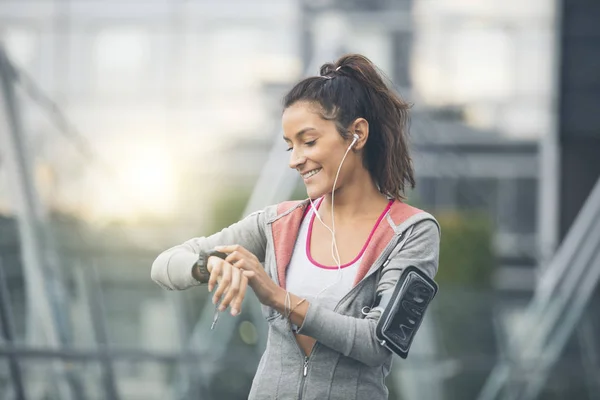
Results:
<point x="200" y="268"/>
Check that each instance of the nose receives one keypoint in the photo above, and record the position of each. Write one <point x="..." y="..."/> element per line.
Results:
<point x="296" y="159"/>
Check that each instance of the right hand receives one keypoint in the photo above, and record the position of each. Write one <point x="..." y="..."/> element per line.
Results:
<point x="232" y="283"/>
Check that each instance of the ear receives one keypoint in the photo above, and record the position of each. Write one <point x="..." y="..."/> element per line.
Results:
<point x="360" y="126"/>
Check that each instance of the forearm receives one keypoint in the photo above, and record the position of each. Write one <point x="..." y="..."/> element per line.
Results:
<point x="351" y="336"/>
<point x="336" y="331"/>
<point x="172" y="269"/>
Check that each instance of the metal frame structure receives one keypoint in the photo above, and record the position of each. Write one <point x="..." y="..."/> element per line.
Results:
<point x="47" y="322"/>
<point x="563" y="291"/>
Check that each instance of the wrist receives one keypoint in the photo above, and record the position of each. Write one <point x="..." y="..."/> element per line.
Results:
<point x="200" y="270"/>
<point x="277" y="298"/>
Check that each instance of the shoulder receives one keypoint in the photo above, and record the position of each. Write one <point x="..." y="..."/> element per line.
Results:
<point x="292" y="209"/>
<point x="276" y="211"/>
<point x="291" y="205"/>
<point x="402" y="216"/>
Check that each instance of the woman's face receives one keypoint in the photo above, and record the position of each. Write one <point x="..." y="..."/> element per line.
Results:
<point x="316" y="149"/>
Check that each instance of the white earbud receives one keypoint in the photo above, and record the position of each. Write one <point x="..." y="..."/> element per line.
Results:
<point x="355" y="139"/>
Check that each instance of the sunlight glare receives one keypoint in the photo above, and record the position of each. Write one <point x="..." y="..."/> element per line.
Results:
<point x="150" y="178"/>
<point x="145" y="186"/>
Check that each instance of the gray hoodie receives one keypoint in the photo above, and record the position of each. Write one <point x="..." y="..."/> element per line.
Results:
<point x="347" y="362"/>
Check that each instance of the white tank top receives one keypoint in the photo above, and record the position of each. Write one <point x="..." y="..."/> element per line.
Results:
<point x="306" y="278"/>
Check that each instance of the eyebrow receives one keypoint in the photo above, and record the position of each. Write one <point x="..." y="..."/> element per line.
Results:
<point x="300" y="133"/>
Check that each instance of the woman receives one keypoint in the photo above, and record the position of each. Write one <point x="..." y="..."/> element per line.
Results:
<point x="328" y="259"/>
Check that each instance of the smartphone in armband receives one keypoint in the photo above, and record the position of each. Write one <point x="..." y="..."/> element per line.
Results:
<point x="405" y="310"/>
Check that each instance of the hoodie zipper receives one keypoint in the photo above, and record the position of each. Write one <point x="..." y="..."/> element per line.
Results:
<point x="304" y="373"/>
<point x="304" y="365"/>
<point x="306" y="359"/>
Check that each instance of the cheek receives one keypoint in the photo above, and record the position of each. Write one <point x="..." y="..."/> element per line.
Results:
<point x="321" y="156"/>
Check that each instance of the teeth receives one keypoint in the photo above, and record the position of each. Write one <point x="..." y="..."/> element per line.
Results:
<point x="310" y="173"/>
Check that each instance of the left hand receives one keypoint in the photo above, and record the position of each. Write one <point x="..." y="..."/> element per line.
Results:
<point x="232" y="284"/>
<point x="264" y="287"/>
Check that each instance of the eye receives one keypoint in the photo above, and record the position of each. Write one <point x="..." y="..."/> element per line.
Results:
<point x="290" y="149"/>
<point x="311" y="143"/>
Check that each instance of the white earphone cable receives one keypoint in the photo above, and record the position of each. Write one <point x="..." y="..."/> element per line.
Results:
<point x="334" y="247"/>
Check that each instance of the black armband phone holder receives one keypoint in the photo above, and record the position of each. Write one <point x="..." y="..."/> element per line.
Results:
<point x="404" y="310"/>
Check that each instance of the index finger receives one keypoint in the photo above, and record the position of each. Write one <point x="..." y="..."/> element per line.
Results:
<point x="231" y="248"/>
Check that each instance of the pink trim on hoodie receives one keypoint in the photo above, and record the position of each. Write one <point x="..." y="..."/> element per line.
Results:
<point x="285" y="232"/>
<point x="399" y="212"/>
<point x="310" y="227"/>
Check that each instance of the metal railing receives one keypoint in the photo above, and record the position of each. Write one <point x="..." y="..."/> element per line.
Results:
<point x="563" y="291"/>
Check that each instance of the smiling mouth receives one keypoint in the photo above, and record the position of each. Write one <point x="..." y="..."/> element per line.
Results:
<point x="311" y="173"/>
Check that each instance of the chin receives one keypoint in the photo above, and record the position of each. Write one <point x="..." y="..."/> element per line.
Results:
<point x="315" y="192"/>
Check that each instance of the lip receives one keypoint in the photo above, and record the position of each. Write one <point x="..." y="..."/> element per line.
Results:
<point x="307" y="179"/>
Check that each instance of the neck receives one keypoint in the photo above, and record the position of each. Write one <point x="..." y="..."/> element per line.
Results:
<point x="358" y="198"/>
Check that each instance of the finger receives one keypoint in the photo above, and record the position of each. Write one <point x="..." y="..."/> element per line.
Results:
<point x="233" y="289"/>
<point x="237" y="261"/>
<point x="234" y="248"/>
<point x="236" y="305"/>
<point x="228" y="248"/>
<point x="214" y="266"/>
<point x="213" y="260"/>
<point x="249" y="274"/>
<point x="224" y="283"/>
<point x="234" y="257"/>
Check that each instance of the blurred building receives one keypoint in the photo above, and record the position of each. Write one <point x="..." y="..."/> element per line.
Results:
<point x="165" y="82"/>
<point x="168" y="82"/>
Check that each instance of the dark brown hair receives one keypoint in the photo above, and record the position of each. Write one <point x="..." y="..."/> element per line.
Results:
<point x="351" y="88"/>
